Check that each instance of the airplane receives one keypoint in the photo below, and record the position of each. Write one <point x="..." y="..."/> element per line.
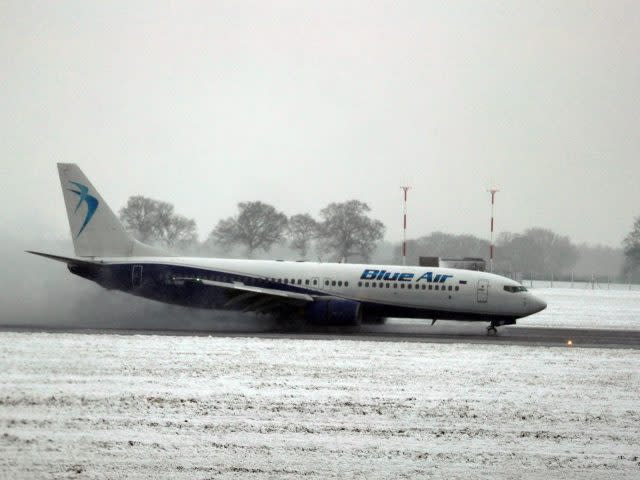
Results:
<point x="311" y="293"/>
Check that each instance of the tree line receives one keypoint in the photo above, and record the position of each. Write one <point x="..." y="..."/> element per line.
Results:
<point x="631" y="245"/>
<point x="534" y="250"/>
<point x="344" y="231"/>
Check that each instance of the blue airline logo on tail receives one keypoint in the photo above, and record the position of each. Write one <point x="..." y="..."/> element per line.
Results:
<point x="91" y="201"/>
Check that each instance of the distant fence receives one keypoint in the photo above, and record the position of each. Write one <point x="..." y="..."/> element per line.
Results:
<point x="593" y="282"/>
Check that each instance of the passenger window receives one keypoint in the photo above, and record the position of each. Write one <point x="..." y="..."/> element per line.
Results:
<point x="457" y="288"/>
<point x="359" y="284"/>
<point x="293" y="281"/>
<point x="430" y="287"/>
<point x="409" y="286"/>
<point x="387" y="285"/>
<point x="395" y="285"/>
<point x="436" y="287"/>
<point x="402" y="285"/>
<point x="339" y="283"/>
<point x="346" y="284"/>
<point x="286" y="281"/>
<point x="315" y="282"/>
<point x="306" y="282"/>
<point x="333" y="283"/>
<point x="450" y="288"/>
<point x="326" y="282"/>
<point x="366" y="284"/>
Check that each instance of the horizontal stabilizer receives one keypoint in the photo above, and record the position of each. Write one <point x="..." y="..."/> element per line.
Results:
<point x="67" y="260"/>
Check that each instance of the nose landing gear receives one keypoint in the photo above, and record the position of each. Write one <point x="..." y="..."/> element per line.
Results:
<point x="492" y="330"/>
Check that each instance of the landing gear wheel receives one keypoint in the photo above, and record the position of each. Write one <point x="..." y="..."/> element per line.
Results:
<point x="492" y="331"/>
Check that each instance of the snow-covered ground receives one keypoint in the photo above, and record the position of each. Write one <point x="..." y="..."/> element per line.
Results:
<point x="108" y="406"/>
<point x="583" y="307"/>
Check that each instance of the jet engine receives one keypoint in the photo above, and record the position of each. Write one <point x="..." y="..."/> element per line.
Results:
<point x="335" y="311"/>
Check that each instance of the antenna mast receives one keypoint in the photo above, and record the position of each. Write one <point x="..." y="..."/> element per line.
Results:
<point x="404" y="225"/>
<point x="493" y="190"/>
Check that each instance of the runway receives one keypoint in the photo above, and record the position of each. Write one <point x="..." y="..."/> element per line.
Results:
<point x="394" y="331"/>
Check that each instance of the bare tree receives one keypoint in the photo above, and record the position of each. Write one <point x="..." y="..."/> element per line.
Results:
<point x="257" y="226"/>
<point x="346" y="230"/>
<point x="139" y="217"/>
<point x="537" y="250"/>
<point x="303" y="229"/>
<point x="180" y="232"/>
<point x="440" y="244"/>
<point x="599" y="259"/>
<point x="631" y="245"/>
<point x="154" y="222"/>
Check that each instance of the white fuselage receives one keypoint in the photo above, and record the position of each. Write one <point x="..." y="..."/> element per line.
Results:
<point x="410" y="287"/>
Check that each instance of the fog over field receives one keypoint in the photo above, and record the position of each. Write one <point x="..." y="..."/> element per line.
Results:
<point x="300" y="104"/>
<point x="37" y="291"/>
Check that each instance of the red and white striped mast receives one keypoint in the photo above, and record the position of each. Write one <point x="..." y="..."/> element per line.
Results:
<point x="492" y="191"/>
<point x="404" y="225"/>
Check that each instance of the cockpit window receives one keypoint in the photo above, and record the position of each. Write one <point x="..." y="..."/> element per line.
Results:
<point x="514" y="288"/>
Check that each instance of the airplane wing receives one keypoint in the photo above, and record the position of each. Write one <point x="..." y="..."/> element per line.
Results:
<point x="253" y="299"/>
<point x="237" y="295"/>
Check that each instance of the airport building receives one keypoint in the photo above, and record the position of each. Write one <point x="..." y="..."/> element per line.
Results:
<point x="465" y="263"/>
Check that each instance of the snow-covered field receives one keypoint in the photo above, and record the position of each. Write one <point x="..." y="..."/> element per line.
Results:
<point x="583" y="307"/>
<point x="108" y="406"/>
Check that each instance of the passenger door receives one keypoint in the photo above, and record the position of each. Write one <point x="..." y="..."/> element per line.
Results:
<point x="483" y="291"/>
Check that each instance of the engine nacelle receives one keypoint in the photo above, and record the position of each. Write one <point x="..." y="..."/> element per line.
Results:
<point x="335" y="311"/>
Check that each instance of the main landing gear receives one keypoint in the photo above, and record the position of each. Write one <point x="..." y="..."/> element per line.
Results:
<point x="492" y="330"/>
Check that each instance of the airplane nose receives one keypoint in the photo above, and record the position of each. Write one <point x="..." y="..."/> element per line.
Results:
<point x="536" y="305"/>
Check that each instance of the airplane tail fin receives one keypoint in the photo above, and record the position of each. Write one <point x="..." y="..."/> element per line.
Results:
<point x="95" y="229"/>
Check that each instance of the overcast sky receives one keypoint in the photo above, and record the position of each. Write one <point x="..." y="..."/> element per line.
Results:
<point x="302" y="103"/>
